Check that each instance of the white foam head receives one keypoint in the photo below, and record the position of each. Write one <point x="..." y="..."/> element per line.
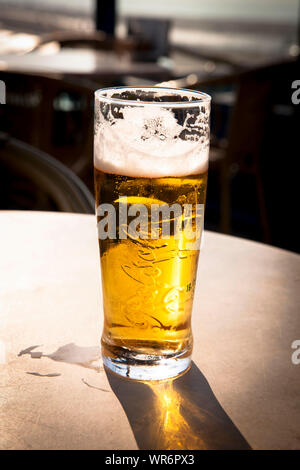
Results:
<point x="145" y="141"/>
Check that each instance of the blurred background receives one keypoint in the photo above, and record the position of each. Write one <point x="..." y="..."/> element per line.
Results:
<point x="245" y="53"/>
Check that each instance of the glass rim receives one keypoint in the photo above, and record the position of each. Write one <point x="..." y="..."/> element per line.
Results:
<point x="201" y="97"/>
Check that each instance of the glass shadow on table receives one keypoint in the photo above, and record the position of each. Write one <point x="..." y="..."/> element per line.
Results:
<point x="176" y="414"/>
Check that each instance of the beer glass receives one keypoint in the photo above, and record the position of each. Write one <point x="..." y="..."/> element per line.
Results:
<point x="151" y="148"/>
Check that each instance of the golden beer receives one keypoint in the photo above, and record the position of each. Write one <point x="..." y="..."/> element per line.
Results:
<point x="148" y="285"/>
<point x="150" y="163"/>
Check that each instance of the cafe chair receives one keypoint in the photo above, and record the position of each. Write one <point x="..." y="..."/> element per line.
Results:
<point x="54" y="115"/>
<point x="30" y="179"/>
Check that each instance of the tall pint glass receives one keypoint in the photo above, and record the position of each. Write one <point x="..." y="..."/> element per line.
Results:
<point x="150" y="164"/>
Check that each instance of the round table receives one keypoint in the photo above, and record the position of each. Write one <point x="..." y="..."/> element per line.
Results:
<point x="242" y="390"/>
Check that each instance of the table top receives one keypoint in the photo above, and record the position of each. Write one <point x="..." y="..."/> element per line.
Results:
<point x="242" y="389"/>
<point x="85" y="62"/>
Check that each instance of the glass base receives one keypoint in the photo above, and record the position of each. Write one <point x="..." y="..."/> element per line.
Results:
<point x="148" y="367"/>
